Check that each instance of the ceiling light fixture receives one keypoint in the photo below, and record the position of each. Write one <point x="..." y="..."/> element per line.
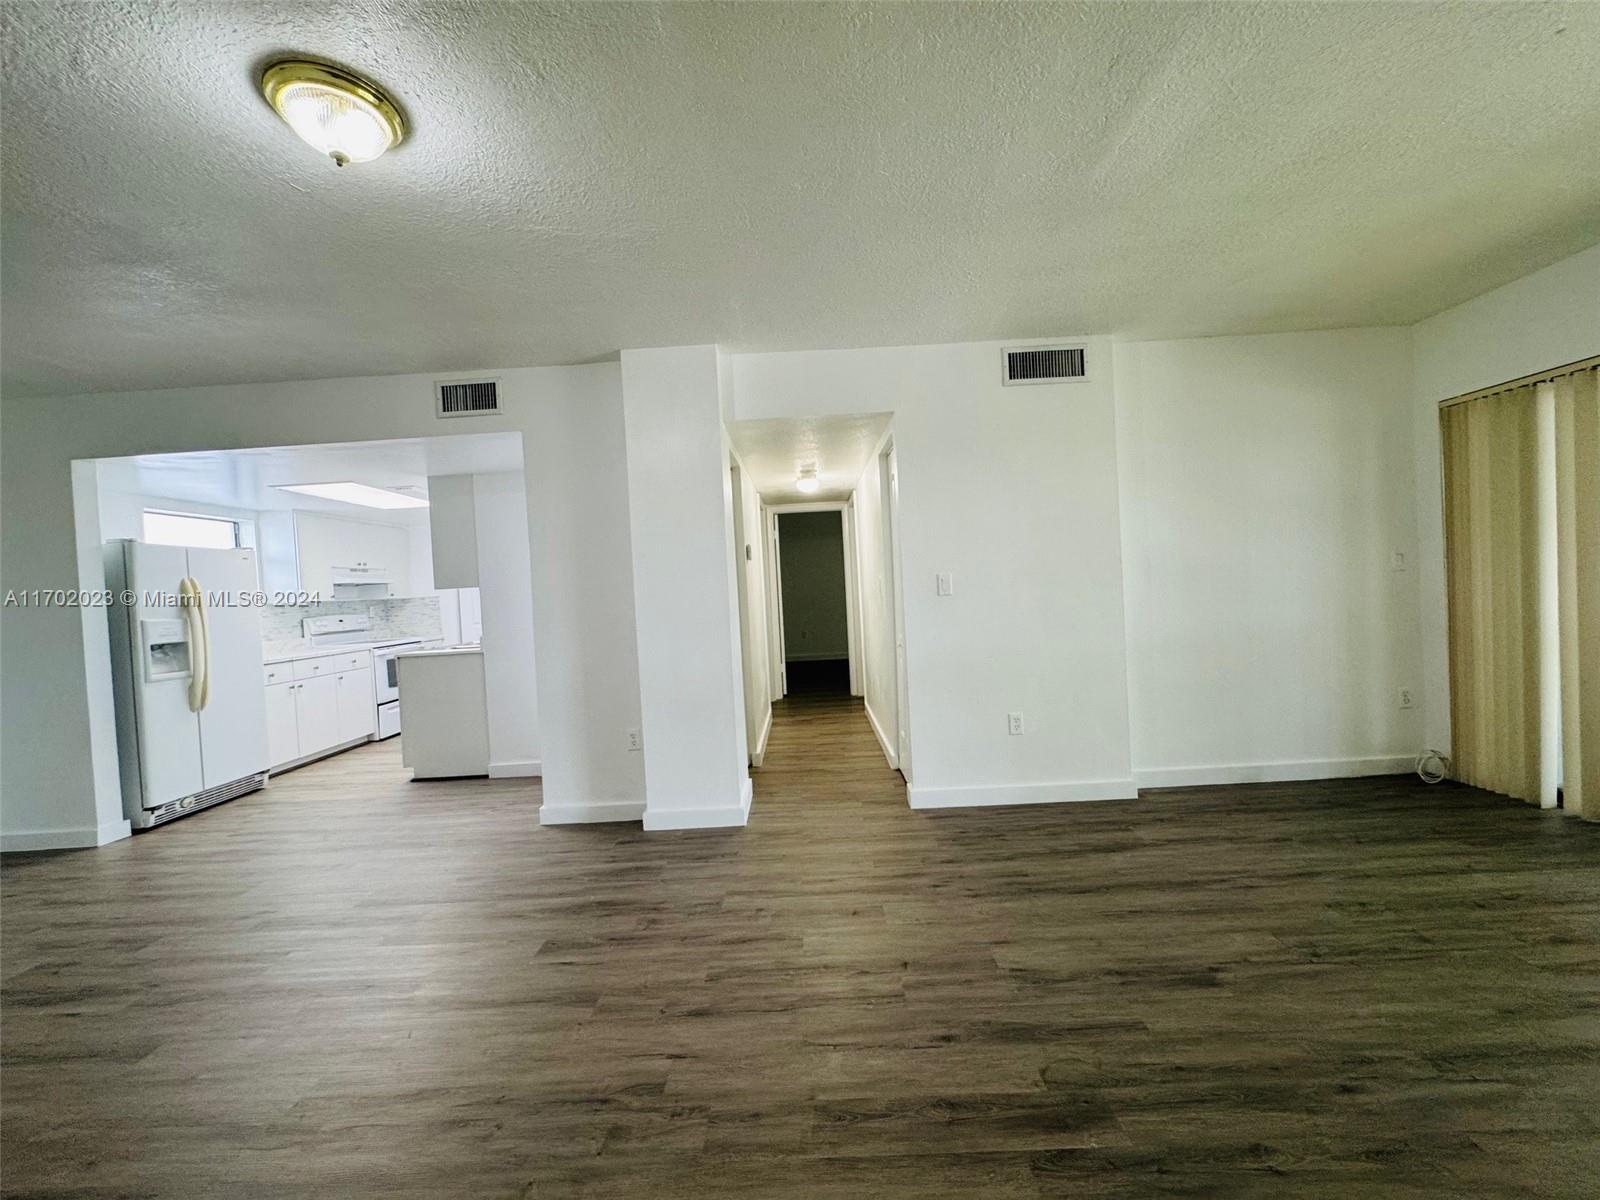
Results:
<point x="355" y="493"/>
<point x="807" y="482"/>
<point x="342" y="115"/>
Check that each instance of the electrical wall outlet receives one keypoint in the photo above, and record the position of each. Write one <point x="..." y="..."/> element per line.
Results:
<point x="1407" y="700"/>
<point x="635" y="740"/>
<point x="1014" y="724"/>
<point x="1397" y="561"/>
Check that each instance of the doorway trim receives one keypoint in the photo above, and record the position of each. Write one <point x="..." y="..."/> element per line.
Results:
<point x="852" y="599"/>
<point x="889" y="494"/>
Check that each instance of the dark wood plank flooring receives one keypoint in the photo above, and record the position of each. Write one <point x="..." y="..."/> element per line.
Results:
<point x="351" y="985"/>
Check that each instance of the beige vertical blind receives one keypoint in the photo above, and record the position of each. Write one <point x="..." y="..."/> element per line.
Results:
<point x="1577" y="454"/>
<point x="1491" y="502"/>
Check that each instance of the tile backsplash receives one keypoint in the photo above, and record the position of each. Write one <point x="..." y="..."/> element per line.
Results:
<point x="413" y="616"/>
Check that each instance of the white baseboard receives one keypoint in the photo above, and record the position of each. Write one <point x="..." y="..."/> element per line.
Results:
<point x="889" y="751"/>
<point x="759" y="753"/>
<point x="49" y="839"/>
<point x="1275" y="772"/>
<point x="703" y="818"/>
<point x="329" y="752"/>
<point x="516" y="769"/>
<point x="114" y="830"/>
<point x="1022" y="793"/>
<point x="595" y="813"/>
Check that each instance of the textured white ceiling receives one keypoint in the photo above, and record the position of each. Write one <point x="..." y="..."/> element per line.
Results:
<point x="776" y="452"/>
<point x="592" y="176"/>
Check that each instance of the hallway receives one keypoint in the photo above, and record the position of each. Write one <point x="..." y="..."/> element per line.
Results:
<point x="822" y="754"/>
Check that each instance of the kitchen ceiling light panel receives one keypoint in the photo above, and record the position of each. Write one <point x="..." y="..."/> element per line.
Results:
<point x="355" y="493"/>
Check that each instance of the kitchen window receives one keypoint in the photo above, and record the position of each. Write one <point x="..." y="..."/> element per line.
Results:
<point x="190" y="529"/>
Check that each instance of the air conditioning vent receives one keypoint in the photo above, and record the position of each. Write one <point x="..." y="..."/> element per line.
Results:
<point x="1045" y="364"/>
<point x="468" y="397"/>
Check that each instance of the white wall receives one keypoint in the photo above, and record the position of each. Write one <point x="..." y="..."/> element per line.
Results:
<point x="1543" y="320"/>
<point x="1266" y="485"/>
<point x="588" y="669"/>
<point x="505" y="596"/>
<point x="691" y="688"/>
<point x="815" y="621"/>
<point x="57" y="745"/>
<point x="1014" y="490"/>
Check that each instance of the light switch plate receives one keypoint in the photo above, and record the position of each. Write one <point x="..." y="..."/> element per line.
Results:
<point x="945" y="582"/>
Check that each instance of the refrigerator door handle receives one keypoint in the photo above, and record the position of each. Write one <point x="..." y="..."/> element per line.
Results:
<point x="199" y="666"/>
<point x="205" y="635"/>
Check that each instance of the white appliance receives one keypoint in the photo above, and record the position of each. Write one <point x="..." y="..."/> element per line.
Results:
<point x="186" y="671"/>
<point x="386" y="683"/>
<point x="355" y="628"/>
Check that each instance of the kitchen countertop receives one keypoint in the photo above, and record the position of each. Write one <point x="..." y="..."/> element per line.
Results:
<point x="441" y="650"/>
<point x="285" y="651"/>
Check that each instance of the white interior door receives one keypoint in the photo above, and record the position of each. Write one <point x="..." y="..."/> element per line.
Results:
<point x="233" y="724"/>
<point x="780" y="659"/>
<point x="852" y="594"/>
<point x="169" y="733"/>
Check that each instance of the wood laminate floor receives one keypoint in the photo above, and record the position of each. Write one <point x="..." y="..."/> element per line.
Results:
<point x="354" y="986"/>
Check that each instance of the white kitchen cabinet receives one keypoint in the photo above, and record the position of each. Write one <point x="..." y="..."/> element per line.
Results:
<point x="317" y="714"/>
<point x="444" y="712"/>
<point x="324" y="701"/>
<point x="312" y="551"/>
<point x="358" y="714"/>
<point x="283" y="731"/>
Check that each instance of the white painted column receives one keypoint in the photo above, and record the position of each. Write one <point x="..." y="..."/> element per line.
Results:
<point x="685" y="602"/>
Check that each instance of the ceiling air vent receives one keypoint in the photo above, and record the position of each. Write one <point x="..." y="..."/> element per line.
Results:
<point x="467" y="397"/>
<point x="1044" y="364"/>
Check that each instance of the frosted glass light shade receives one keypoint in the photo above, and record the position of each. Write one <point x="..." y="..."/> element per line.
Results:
<point x="338" y="113"/>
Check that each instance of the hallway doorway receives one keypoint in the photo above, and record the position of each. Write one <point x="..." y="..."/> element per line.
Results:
<point x="815" y="565"/>
<point x="813" y="599"/>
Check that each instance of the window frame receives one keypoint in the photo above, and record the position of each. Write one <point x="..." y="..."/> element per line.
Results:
<point x="212" y="518"/>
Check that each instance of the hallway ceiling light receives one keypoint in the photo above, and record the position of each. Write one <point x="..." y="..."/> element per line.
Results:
<point x="807" y="481"/>
<point x="342" y="115"/>
<point x="355" y="493"/>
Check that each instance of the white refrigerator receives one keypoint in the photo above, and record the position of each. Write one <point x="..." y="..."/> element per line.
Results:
<point x="186" y="669"/>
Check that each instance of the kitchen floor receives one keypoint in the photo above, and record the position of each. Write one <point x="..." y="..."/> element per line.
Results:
<point x="351" y="985"/>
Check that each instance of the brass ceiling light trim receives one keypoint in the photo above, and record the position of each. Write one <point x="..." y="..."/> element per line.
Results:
<point x="339" y="113"/>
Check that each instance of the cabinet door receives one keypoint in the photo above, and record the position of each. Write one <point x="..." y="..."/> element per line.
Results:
<point x="325" y="543"/>
<point x="358" y="715"/>
<point x="283" y="732"/>
<point x="389" y="550"/>
<point x="317" y="713"/>
<point x="318" y="551"/>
